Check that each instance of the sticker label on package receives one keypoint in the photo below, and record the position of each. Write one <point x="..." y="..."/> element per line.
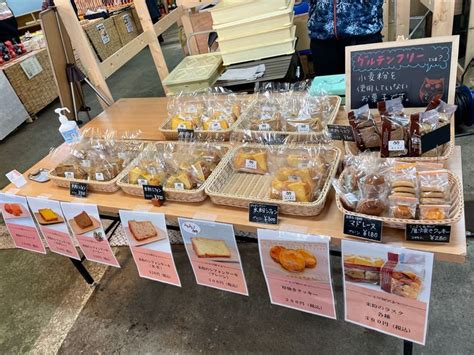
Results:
<point x="99" y="176"/>
<point x="250" y="164"/>
<point x="263" y="127"/>
<point x="142" y="182"/>
<point x="396" y="146"/>
<point x="69" y="175"/>
<point x="179" y="185"/>
<point x="288" y="196"/>
<point x="128" y="23"/>
<point x="297" y="271"/>
<point x="215" y="126"/>
<point x="303" y="128"/>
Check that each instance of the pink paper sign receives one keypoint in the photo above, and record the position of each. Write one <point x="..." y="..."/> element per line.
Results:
<point x="387" y="289"/>
<point x="55" y="231"/>
<point x="20" y="223"/>
<point x="84" y="222"/>
<point x="297" y="271"/>
<point x="148" y="239"/>
<point x="214" y="255"/>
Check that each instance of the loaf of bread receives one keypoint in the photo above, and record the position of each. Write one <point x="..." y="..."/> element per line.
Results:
<point x="210" y="248"/>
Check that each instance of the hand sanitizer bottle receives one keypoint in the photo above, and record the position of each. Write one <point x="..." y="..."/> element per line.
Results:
<point x="68" y="129"/>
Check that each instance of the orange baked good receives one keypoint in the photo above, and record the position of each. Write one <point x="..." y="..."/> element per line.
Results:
<point x="309" y="259"/>
<point x="13" y="209"/>
<point x="275" y="253"/>
<point x="292" y="260"/>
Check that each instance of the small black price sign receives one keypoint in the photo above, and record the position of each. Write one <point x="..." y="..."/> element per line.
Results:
<point x="341" y="133"/>
<point x="78" y="189"/>
<point x="428" y="233"/>
<point x="362" y="227"/>
<point x="263" y="213"/>
<point x="435" y="138"/>
<point x="153" y="191"/>
<point x="185" y="134"/>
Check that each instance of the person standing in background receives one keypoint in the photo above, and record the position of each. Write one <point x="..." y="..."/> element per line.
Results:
<point x="335" y="24"/>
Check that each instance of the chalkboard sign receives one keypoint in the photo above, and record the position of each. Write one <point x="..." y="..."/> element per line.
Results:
<point x="341" y="132"/>
<point x="361" y="227"/>
<point x="263" y="213"/>
<point x="428" y="233"/>
<point x="185" y="134"/>
<point x="78" y="189"/>
<point x="152" y="191"/>
<point x="416" y="70"/>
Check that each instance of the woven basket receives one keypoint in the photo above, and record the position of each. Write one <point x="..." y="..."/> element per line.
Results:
<point x="231" y="188"/>
<point x="122" y="29"/>
<point x="445" y="150"/>
<point x="92" y="185"/>
<point x="195" y="195"/>
<point x="39" y="91"/>
<point x="103" y="50"/>
<point x="455" y="213"/>
<point x="222" y="135"/>
<point x="242" y="126"/>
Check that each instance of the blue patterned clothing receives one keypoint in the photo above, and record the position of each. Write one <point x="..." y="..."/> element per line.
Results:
<point x="353" y="18"/>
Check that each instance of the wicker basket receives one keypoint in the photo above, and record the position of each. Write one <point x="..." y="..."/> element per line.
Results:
<point x="455" y="213"/>
<point x="195" y="195"/>
<point x="39" y="91"/>
<point x="242" y="126"/>
<point x="126" y="26"/>
<point x="222" y="135"/>
<point x="445" y="150"/>
<point x="231" y="188"/>
<point x="103" y="50"/>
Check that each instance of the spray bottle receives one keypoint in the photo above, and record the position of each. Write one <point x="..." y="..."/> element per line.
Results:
<point x="68" y="129"/>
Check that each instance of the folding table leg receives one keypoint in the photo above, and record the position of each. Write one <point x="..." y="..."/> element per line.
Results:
<point x="407" y="347"/>
<point x="82" y="269"/>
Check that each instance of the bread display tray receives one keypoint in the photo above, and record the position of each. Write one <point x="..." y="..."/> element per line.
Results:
<point x="221" y="135"/>
<point x="455" y="213"/>
<point x="445" y="150"/>
<point x="242" y="124"/>
<point x="194" y="195"/>
<point x="231" y="188"/>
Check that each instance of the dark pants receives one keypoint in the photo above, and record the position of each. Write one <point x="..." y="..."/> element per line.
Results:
<point x="328" y="55"/>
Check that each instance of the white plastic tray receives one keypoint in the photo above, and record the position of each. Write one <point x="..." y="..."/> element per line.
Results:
<point x="256" y="24"/>
<point x="234" y="10"/>
<point x="282" y="34"/>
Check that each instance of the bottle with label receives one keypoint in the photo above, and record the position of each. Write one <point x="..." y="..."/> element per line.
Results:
<point x="68" y="129"/>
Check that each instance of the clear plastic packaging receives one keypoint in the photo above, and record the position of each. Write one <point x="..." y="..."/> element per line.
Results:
<point x="251" y="160"/>
<point x="434" y="212"/>
<point x="434" y="187"/>
<point x="367" y="129"/>
<point x="402" y="207"/>
<point x="360" y="268"/>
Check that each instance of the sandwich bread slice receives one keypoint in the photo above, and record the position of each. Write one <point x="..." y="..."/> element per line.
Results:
<point x="210" y="248"/>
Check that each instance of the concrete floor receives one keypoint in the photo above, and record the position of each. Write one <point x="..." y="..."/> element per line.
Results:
<point x="47" y="308"/>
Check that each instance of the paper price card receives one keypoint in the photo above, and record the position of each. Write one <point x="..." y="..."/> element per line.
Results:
<point x="20" y="223"/>
<point x="84" y="221"/>
<point x="297" y="271"/>
<point x="150" y="246"/>
<point x="49" y="216"/>
<point x="214" y="255"/>
<point x="387" y="288"/>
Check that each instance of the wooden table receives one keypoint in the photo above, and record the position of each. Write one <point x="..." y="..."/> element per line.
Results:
<point x="147" y="114"/>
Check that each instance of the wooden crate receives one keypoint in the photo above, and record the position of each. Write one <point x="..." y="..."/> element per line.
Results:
<point x="104" y="37"/>
<point x="137" y="20"/>
<point x="126" y="26"/>
<point x="38" y="91"/>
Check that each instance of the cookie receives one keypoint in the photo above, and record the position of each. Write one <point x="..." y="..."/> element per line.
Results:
<point x="403" y="183"/>
<point x="371" y="207"/>
<point x="409" y="190"/>
<point x="433" y="194"/>
<point x="432" y="189"/>
<point x="403" y="194"/>
<point x="432" y="201"/>
<point x="292" y="260"/>
<point x="275" y="252"/>
<point x="309" y="259"/>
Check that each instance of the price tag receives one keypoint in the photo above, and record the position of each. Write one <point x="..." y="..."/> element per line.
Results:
<point x="250" y="164"/>
<point x="303" y="128"/>
<point x="69" y="175"/>
<point x="99" y="176"/>
<point x="288" y="196"/>
<point x="78" y="189"/>
<point x="263" y="127"/>
<point x="215" y="126"/>
<point x="142" y="182"/>
<point x="396" y="146"/>
<point x="435" y="138"/>
<point x="362" y="227"/>
<point x="153" y="191"/>
<point x="185" y="134"/>
<point x="263" y="213"/>
<point x="179" y="185"/>
<point x="341" y="133"/>
<point x="428" y="233"/>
